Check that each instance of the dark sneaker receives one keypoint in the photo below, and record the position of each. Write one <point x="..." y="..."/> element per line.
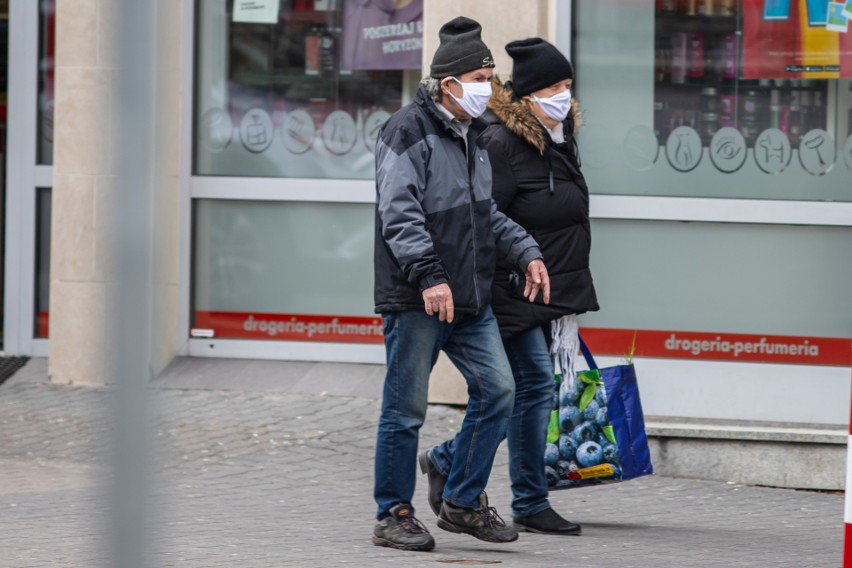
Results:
<point x="402" y="530"/>
<point x="547" y="522"/>
<point x="483" y="523"/>
<point x="436" y="481"/>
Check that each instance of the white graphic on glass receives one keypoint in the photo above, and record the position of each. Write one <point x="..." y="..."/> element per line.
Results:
<point x="772" y="151"/>
<point x="298" y="132"/>
<point x="216" y="129"/>
<point x="339" y="132"/>
<point x="817" y="152"/>
<point x="640" y="148"/>
<point x="683" y="148"/>
<point x="728" y="150"/>
<point x="372" y="125"/>
<point x="256" y="130"/>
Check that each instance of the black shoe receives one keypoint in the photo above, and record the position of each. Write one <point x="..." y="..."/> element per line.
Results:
<point x="402" y="530"/>
<point x="547" y="522"/>
<point x="436" y="481"/>
<point x="483" y="523"/>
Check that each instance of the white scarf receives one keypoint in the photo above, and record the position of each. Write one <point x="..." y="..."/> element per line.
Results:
<point x="566" y="343"/>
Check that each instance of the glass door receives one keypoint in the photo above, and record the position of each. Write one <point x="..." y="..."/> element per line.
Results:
<point x="27" y="91"/>
<point x="4" y="86"/>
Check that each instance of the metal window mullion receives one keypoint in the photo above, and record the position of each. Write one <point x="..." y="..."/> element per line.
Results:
<point x="187" y="56"/>
<point x="19" y="296"/>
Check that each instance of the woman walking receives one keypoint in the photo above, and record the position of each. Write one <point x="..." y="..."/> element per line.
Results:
<point x="538" y="184"/>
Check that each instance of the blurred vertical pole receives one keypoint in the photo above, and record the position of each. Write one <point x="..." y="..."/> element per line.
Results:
<point x="131" y="299"/>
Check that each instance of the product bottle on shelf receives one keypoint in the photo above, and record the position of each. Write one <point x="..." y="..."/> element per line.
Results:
<point x="728" y="69"/>
<point x="727" y="7"/>
<point x="662" y="121"/>
<point x="818" y="111"/>
<point x="710" y="99"/>
<point x="775" y="109"/>
<point x="679" y="57"/>
<point x="794" y="118"/>
<point x="666" y="7"/>
<point x="695" y="58"/>
<point x="712" y="59"/>
<point x="708" y="126"/>
<point x="728" y="110"/>
<point x="662" y="63"/>
<point x="750" y="122"/>
<point x="849" y="120"/>
<point x="805" y="112"/>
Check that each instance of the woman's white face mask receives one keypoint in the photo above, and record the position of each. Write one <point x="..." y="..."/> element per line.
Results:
<point x="556" y="107"/>
<point x="475" y="97"/>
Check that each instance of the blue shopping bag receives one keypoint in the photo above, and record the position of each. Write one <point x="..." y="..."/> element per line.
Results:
<point x="596" y="432"/>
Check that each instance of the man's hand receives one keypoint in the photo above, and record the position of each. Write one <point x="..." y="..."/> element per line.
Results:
<point x="439" y="300"/>
<point x="537" y="279"/>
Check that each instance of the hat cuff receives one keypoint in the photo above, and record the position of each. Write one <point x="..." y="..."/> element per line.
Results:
<point x="471" y="62"/>
<point x="527" y="87"/>
<point x="540" y="82"/>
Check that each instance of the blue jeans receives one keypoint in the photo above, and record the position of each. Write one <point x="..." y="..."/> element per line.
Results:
<point x="532" y="367"/>
<point x="413" y="341"/>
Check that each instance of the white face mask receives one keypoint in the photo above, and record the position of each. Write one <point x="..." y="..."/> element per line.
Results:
<point x="475" y="97"/>
<point x="556" y="107"/>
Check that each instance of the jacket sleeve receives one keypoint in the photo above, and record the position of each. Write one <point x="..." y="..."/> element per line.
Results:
<point x="512" y="241"/>
<point x="503" y="186"/>
<point x="400" y="182"/>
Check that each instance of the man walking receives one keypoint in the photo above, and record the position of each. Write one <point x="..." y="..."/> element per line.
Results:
<point x="438" y="234"/>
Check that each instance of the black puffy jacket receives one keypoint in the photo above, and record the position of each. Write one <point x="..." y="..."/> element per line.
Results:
<point x="538" y="184"/>
<point x="435" y="219"/>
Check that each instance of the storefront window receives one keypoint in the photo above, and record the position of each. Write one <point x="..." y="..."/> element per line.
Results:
<point x="284" y="270"/>
<point x="298" y="88"/>
<point x="752" y="99"/>
<point x="707" y="99"/>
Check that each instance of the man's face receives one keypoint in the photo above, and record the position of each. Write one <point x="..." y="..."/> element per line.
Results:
<point x="450" y="85"/>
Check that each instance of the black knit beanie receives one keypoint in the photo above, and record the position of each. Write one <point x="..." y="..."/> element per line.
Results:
<point x="536" y="64"/>
<point x="461" y="49"/>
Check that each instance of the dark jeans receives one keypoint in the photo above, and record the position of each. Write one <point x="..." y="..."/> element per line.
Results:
<point x="413" y="341"/>
<point x="532" y="367"/>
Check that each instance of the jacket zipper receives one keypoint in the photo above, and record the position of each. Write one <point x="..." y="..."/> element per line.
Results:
<point x="471" y="162"/>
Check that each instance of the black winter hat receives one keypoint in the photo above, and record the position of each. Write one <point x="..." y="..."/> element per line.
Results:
<point x="536" y="64"/>
<point x="461" y="49"/>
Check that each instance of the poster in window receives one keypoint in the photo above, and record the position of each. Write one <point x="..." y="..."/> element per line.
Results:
<point x="786" y="39"/>
<point x="256" y="11"/>
<point x="382" y="34"/>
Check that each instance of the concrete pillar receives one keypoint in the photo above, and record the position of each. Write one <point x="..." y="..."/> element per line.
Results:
<point x="85" y="182"/>
<point x="502" y="21"/>
<point x="167" y="159"/>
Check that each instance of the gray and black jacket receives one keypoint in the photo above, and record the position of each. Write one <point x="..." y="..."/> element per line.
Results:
<point x="435" y="219"/>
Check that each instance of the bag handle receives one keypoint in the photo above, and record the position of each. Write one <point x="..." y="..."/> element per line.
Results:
<point x="590" y="361"/>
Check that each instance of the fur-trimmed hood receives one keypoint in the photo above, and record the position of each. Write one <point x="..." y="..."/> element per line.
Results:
<point x="518" y="118"/>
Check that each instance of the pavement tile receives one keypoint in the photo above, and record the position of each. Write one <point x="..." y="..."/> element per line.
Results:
<point x="285" y="479"/>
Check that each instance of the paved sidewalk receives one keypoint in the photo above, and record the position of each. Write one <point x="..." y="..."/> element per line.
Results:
<point x="258" y="478"/>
